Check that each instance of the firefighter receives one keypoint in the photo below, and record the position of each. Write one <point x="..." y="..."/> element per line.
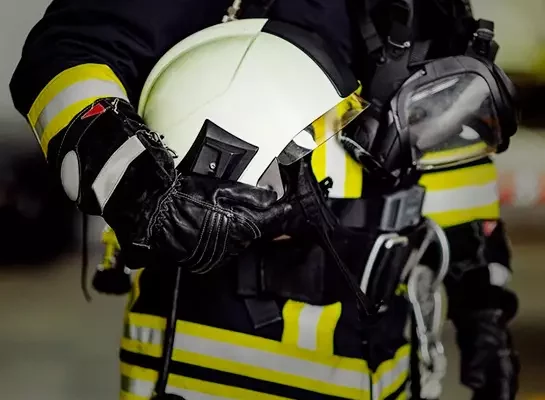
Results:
<point x="80" y="79"/>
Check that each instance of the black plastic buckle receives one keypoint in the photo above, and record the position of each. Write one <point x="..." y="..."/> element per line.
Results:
<point x="402" y="209"/>
<point x="326" y="185"/>
<point x="483" y="39"/>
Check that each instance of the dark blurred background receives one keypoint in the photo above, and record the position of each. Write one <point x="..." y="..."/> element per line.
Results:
<point x="55" y="346"/>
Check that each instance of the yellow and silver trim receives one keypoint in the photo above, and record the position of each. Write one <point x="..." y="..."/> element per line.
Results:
<point x="67" y="94"/>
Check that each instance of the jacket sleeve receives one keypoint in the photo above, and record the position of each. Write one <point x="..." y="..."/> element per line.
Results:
<point x="82" y="50"/>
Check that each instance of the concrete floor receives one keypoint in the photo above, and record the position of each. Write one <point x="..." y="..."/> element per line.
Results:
<point x="55" y="346"/>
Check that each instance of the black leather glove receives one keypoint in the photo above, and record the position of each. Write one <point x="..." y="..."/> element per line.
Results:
<point x="489" y="364"/>
<point x="112" y="165"/>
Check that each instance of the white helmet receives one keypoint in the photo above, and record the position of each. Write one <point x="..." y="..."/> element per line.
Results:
<point x="236" y="99"/>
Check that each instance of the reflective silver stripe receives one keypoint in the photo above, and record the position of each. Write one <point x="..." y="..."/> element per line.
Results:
<point x="389" y="378"/>
<point x="272" y="362"/>
<point x="74" y="93"/>
<point x="145" y="389"/>
<point x="110" y="175"/>
<point x="193" y="395"/>
<point x="137" y="387"/>
<point x="460" y="198"/>
<point x="143" y="334"/>
<point x="308" y="326"/>
<point x="257" y="358"/>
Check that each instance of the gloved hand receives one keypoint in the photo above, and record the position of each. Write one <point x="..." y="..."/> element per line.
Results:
<point x="489" y="364"/>
<point x="112" y="165"/>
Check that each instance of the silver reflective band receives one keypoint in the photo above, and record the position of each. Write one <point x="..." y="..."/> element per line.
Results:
<point x="308" y="326"/>
<point x="358" y="380"/>
<point x="145" y="389"/>
<point x="137" y="387"/>
<point x="272" y="362"/>
<point x="74" y="93"/>
<point x="389" y="378"/>
<point x="112" y="172"/>
<point x="460" y="198"/>
<point x="143" y="334"/>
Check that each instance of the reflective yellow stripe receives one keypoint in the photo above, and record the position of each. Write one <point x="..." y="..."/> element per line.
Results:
<point x="249" y="341"/>
<point x="461" y="195"/>
<point x="331" y="160"/>
<point x="290" y="313"/>
<point x="391" y="374"/>
<point x="57" y="103"/>
<point x="129" y="396"/>
<point x="353" y="172"/>
<point x="444" y="156"/>
<point x="458" y="217"/>
<point x="310" y="327"/>
<point x="252" y="356"/>
<point x="135" y="292"/>
<point x="468" y="176"/>
<point x="143" y="379"/>
<point x="326" y="328"/>
<point x="402" y="396"/>
<point x="318" y="160"/>
<point x="244" y="364"/>
<point x="111" y="246"/>
<point x="353" y="179"/>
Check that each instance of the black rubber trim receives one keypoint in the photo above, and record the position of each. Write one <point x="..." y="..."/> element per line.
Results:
<point x="316" y="48"/>
<point x="225" y="378"/>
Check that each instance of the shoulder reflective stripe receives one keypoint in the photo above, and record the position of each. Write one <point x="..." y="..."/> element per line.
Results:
<point x="67" y="78"/>
<point x="111" y="173"/>
<point x="462" y="195"/>
<point x="458" y="217"/>
<point x="469" y="176"/>
<point x="391" y="374"/>
<point x="249" y="341"/>
<point x="310" y="327"/>
<point x="90" y="88"/>
<point x="460" y="198"/>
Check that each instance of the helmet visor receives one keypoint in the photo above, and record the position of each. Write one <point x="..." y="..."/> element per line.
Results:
<point x="323" y="128"/>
